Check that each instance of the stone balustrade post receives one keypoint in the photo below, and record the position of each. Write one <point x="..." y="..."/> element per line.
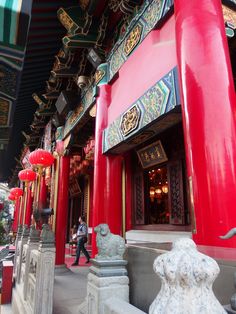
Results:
<point x="17" y="252"/>
<point x="108" y="275"/>
<point x="43" y="296"/>
<point x="187" y="277"/>
<point x="33" y="293"/>
<point x="23" y="240"/>
<point x="32" y="244"/>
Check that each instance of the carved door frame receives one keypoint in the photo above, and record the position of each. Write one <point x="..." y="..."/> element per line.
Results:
<point x="176" y="192"/>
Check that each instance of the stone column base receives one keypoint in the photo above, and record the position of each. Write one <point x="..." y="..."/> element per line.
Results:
<point x="106" y="279"/>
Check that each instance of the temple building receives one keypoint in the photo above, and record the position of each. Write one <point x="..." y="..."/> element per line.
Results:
<point x="135" y="100"/>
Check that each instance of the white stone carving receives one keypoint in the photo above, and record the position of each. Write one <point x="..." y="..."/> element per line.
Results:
<point x="187" y="277"/>
<point x="110" y="246"/>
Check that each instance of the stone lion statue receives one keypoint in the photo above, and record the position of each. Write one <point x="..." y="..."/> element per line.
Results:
<point x="110" y="246"/>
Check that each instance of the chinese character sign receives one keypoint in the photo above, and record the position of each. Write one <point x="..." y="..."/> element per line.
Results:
<point x="152" y="155"/>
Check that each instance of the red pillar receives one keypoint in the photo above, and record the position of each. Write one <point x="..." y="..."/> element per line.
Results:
<point x="208" y="105"/>
<point x="43" y="193"/>
<point x="107" y="174"/>
<point x="113" y="214"/>
<point x="29" y="205"/>
<point x="100" y="180"/>
<point x="16" y="214"/>
<point x="21" y="209"/>
<point x="6" y="289"/>
<point x="62" y="209"/>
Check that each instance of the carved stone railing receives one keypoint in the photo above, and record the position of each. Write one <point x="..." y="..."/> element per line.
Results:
<point x="33" y="292"/>
<point x="187" y="277"/>
<point x="19" y="252"/>
<point x="108" y="274"/>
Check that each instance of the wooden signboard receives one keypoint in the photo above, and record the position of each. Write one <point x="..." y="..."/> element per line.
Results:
<point x="152" y="155"/>
<point x="74" y="187"/>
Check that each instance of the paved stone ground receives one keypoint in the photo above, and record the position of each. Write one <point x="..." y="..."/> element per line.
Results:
<point x="70" y="289"/>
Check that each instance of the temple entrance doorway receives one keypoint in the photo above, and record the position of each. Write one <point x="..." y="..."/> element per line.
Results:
<point x="160" y="185"/>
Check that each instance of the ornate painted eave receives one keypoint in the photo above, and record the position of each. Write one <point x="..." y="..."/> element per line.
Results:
<point x="25" y="62"/>
<point x="86" y="23"/>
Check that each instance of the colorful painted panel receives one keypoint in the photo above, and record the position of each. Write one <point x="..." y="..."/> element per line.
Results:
<point x="76" y="115"/>
<point x="152" y="155"/>
<point x="143" y="22"/>
<point x="230" y="21"/>
<point x="5" y="108"/>
<point x="156" y="101"/>
<point x="8" y="80"/>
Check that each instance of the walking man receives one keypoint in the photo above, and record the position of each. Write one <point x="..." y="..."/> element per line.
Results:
<point x="82" y="238"/>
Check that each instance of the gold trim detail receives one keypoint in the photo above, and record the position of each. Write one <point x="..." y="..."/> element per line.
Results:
<point x="133" y="39"/>
<point x="38" y="100"/>
<point x="66" y="20"/>
<point x="191" y="198"/>
<point x="130" y="120"/>
<point x="229" y="15"/>
<point x="99" y="75"/>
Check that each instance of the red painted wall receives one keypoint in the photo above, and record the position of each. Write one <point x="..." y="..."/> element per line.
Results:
<point x="154" y="57"/>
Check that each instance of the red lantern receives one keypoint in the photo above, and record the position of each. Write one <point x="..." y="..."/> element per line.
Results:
<point x="41" y="158"/>
<point x="17" y="192"/>
<point x="27" y="175"/>
<point x="11" y="197"/>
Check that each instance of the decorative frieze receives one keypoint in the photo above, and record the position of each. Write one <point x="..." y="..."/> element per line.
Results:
<point x="147" y="18"/>
<point x="75" y="116"/>
<point x="130" y="120"/>
<point x="5" y="111"/>
<point x="156" y="101"/>
<point x="133" y="39"/>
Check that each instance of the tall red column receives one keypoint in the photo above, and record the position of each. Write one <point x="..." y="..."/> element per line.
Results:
<point x="209" y="106"/>
<point x="29" y="208"/>
<point x="113" y="214"/>
<point x="16" y="214"/>
<point x="107" y="174"/>
<point x="62" y="209"/>
<point x="42" y="193"/>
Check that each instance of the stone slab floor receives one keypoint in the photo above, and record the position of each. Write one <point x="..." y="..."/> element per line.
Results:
<point x="69" y="291"/>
